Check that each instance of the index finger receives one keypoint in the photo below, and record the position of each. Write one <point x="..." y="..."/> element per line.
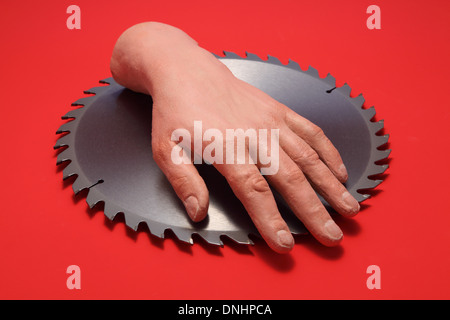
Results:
<point x="317" y="139"/>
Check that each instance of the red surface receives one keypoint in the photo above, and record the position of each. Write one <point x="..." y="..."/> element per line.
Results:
<point x="401" y="69"/>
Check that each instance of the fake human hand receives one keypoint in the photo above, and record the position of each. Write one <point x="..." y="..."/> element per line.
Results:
<point x="194" y="94"/>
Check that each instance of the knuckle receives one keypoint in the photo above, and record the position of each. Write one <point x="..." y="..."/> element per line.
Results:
<point x="295" y="177"/>
<point x="310" y="157"/>
<point x="158" y="150"/>
<point x="306" y="156"/>
<point x="272" y="119"/>
<point x="250" y="184"/>
<point x="179" y="182"/>
<point x="257" y="184"/>
<point x="316" y="132"/>
<point x="315" y="210"/>
<point x="157" y="146"/>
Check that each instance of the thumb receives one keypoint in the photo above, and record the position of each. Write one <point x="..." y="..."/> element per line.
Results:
<point x="184" y="178"/>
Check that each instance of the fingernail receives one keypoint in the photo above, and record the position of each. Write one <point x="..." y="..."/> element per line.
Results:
<point x="351" y="202"/>
<point x="191" y="204"/>
<point x="333" y="231"/>
<point x="343" y="172"/>
<point x="285" y="239"/>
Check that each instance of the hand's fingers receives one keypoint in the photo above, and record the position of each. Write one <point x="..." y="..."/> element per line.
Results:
<point x="292" y="184"/>
<point x="253" y="191"/>
<point x="184" y="178"/>
<point x="316" y="138"/>
<point x="322" y="179"/>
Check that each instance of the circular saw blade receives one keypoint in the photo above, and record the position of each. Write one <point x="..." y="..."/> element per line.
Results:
<point x="108" y="147"/>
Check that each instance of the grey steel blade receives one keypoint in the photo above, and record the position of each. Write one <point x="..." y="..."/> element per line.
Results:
<point x="108" y="147"/>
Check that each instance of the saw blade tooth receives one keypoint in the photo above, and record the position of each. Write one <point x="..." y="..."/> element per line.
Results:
<point x="370" y="184"/>
<point x="377" y="126"/>
<point x="240" y="237"/>
<point x="66" y="127"/>
<point x="345" y="90"/>
<point x="360" y="197"/>
<point x="330" y="80"/>
<point x="80" y="184"/>
<point x="369" y="113"/>
<point x="65" y="155"/>
<point x="156" y="229"/>
<point x="313" y="72"/>
<point x="252" y="56"/>
<point x="69" y="171"/>
<point x="378" y="169"/>
<point x="63" y="141"/>
<point x="382" y="154"/>
<point x="210" y="237"/>
<point x="72" y="114"/>
<point x="273" y="60"/>
<point x="95" y="90"/>
<point x="183" y="235"/>
<point x="82" y="101"/>
<point x="358" y="101"/>
<point x="109" y="81"/>
<point x="381" y="140"/>
<point x="110" y="210"/>
<point x="294" y="65"/>
<point x="93" y="197"/>
<point x="231" y="55"/>
<point x="132" y="221"/>
<point x="91" y="91"/>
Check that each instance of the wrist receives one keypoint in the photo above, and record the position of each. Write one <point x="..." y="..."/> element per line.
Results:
<point x="146" y="52"/>
<point x="156" y="59"/>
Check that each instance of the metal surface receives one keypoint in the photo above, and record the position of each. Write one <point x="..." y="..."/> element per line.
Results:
<point x="109" y="150"/>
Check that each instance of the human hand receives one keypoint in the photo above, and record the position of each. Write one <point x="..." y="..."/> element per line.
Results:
<point x="189" y="85"/>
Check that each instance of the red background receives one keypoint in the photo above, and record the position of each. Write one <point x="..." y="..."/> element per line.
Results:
<point x="401" y="69"/>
